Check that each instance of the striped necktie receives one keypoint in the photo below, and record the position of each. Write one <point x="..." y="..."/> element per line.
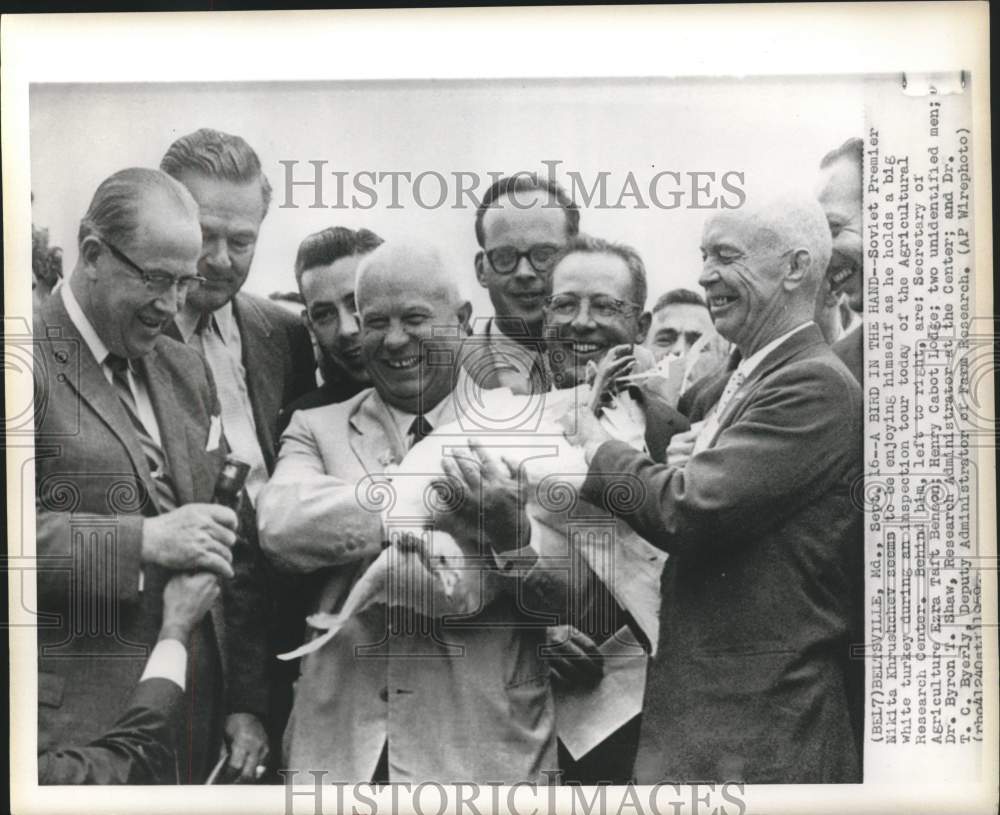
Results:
<point x="166" y="497"/>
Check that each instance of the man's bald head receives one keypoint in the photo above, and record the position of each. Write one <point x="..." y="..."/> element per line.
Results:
<point x="764" y="265"/>
<point x="794" y="222"/>
<point x="409" y="305"/>
<point x="412" y="265"/>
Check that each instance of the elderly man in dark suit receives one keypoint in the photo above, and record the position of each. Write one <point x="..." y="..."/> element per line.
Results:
<point x="139" y="748"/>
<point x="129" y="444"/>
<point x="259" y="353"/>
<point x="762" y="590"/>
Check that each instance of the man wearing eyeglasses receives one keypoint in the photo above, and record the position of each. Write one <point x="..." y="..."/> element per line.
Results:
<point x="129" y="445"/>
<point x="761" y="593"/>
<point x="521" y="224"/>
<point x="594" y="317"/>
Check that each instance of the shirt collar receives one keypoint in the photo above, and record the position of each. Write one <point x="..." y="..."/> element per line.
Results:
<point x="83" y="325"/>
<point x="188" y="318"/>
<point x="750" y="364"/>
<point x="404" y="420"/>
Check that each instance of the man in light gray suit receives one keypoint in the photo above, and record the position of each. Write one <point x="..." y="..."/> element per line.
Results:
<point x="408" y="707"/>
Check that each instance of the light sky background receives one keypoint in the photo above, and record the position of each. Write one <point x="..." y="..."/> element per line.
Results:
<point x="773" y="130"/>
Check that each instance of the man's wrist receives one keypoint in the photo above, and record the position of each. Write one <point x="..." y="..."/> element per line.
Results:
<point x="174" y="631"/>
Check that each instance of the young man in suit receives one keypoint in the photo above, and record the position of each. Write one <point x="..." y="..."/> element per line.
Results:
<point x="598" y="309"/>
<point x="521" y="224"/>
<point x="371" y="700"/>
<point x="325" y="266"/>
<point x="129" y="445"/>
<point x="762" y="590"/>
<point x="139" y="748"/>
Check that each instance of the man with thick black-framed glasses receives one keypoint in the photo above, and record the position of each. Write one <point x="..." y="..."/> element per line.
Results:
<point x="521" y="224"/>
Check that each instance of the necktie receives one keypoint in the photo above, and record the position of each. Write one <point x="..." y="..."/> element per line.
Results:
<point x="237" y="414"/>
<point x="419" y="429"/>
<point x="166" y="497"/>
<point x="711" y="425"/>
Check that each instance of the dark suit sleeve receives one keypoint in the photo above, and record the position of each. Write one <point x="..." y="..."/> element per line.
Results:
<point x="303" y="363"/>
<point x="246" y="601"/>
<point x="137" y="750"/>
<point x="785" y="448"/>
<point x="662" y="422"/>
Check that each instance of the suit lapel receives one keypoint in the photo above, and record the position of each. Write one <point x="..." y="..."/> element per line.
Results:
<point x="264" y="364"/>
<point x="89" y="381"/>
<point x="173" y="434"/>
<point x="801" y="339"/>
<point x="373" y="436"/>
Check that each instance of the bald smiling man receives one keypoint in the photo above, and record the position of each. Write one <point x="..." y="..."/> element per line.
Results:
<point x="391" y="698"/>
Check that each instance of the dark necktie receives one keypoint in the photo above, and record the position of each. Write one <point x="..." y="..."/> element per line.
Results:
<point x="166" y="498"/>
<point x="419" y="429"/>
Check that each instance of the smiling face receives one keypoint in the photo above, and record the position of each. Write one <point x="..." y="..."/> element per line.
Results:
<point x="329" y="294"/>
<point x="404" y="301"/>
<point x="534" y="220"/>
<point x="126" y="315"/>
<point x="840" y="196"/>
<point x="230" y="215"/>
<point x="676" y="327"/>
<point x="743" y="277"/>
<point x="588" y="336"/>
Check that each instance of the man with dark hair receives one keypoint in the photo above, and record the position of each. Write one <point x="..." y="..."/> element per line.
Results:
<point x="131" y="422"/>
<point x="324" y="269"/>
<point x="521" y="224"/>
<point x="840" y="195"/>
<point x="596" y="310"/>
<point x="680" y="319"/>
<point x="260" y="356"/>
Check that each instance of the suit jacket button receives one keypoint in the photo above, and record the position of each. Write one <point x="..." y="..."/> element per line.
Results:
<point x="384" y="694"/>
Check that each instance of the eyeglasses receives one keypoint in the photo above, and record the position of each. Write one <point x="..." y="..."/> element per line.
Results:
<point x="156" y="282"/>
<point x="565" y="307"/>
<point x="504" y="259"/>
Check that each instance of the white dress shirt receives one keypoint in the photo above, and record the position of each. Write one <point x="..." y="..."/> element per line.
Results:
<point x="100" y="351"/>
<point x="168" y="661"/>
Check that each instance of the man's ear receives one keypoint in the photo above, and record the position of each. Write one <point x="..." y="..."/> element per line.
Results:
<point x="645" y="319"/>
<point x="464" y="315"/>
<point x="798" y="269"/>
<point x="304" y="316"/>
<point x="481" y="269"/>
<point x="91" y="249"/>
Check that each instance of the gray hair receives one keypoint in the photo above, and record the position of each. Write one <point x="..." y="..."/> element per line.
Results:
<point x="215" y="154"/>
<point x="791" y="222"/>
<point x="114" y="210"/>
